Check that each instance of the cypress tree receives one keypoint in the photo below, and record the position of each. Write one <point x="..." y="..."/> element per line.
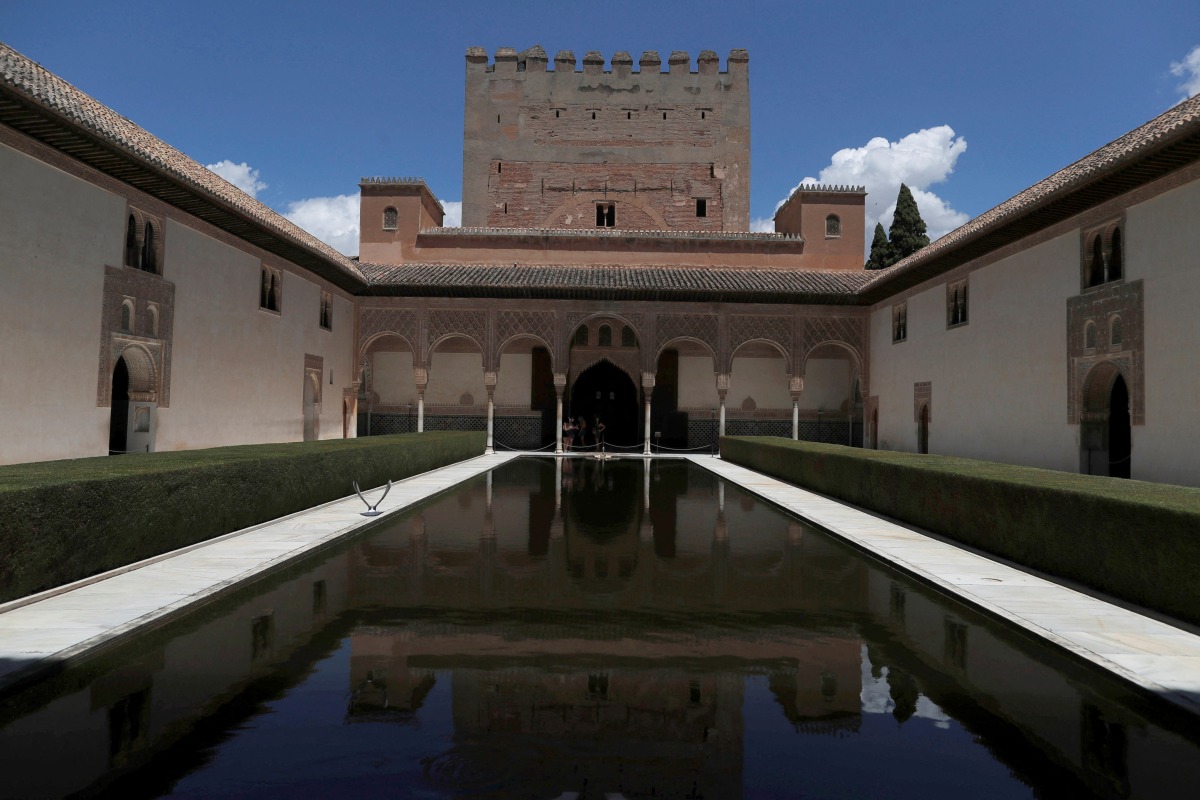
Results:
<point x="907" y="234"/>
<point x="879" y="250"/>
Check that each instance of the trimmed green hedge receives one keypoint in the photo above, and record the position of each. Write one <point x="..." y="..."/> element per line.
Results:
<point x="1134" y="540"/>
<point x="65" y="520"/>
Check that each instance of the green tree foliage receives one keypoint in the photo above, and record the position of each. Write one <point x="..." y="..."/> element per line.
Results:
<point x="879" y="250"/>
<point x="907" y="234"/>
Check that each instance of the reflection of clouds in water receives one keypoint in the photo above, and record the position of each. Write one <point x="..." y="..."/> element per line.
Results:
<point x="876" y="697"/>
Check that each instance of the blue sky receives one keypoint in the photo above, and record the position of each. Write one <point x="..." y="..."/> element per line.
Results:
<point x="967" y="102"/>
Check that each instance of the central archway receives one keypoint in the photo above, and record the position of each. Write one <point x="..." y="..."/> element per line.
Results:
<point x="606" y="391"/>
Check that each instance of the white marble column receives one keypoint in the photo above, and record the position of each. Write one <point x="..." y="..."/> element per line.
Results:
<point x="489" y="383"/>
<point x="560" y="385"/>
<point x="648" y="388"/>
<point x="422" y="378"/>
<point x="795" y="387"/>
<point x="722" y="390"/>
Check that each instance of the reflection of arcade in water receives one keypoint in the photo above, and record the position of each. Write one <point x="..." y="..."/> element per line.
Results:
<point x="563" y="534"/>
<point x="595" y="626"/>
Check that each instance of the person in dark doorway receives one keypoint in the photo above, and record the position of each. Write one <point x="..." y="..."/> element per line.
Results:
<point x="599" y="433"/>
<point x="569" y="431"/>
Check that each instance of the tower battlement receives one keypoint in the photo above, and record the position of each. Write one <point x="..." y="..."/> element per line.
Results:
<point x="611" y="144"/>
<point x="534" y="60"/>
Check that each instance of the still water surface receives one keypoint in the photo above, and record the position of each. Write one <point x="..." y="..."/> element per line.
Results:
<point x="592" y="630"/>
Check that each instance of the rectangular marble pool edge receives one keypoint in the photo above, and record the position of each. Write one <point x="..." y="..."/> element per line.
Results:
<point x="52" y="629"/>
<point x="1150" y="654"/>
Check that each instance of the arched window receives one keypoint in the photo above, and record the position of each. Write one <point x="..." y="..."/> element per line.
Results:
<point x="264" y="293"/>
<point x="1114" y="331"/>
<point x="1114" y="256"/>
<point x="627" y="337"/>
<point x="131" y="243"/>
<point x="605" y="336"/>
<point x="1096" y="265"/>
<point x="273" y="293"/>
<point x="581" y="335"/>
<point x="127" y="317"/>
<point x="1089" y="336"/>
<point x="390" y="216"/>
<point x="152" y="321"/>
<point x="149" y="256"/>
<point x="833" y="226"/>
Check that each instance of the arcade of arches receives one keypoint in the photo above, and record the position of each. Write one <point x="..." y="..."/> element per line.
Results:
<point x="655" y="379"/>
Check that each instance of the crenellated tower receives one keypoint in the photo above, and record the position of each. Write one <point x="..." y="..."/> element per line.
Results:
<point x="624" y="148"/>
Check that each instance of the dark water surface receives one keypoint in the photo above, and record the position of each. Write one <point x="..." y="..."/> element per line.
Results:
<point x="591" y="630"/>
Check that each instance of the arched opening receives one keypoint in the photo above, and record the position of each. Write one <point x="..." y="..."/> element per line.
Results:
<point x="149" y="253"/>
<point x="524" y="395"/>
<point x="387" y="394"/>
<point x="828" y="406"/>
<point x="347" y="415"/>
<point x="1120" y="434"/>
<point x="1096" y="266"/>
<point x="685" y="402"/>
<point x="456" y="395"/>
<point x="118" y="419"/>
<point x="1105" y="435"/>
<point x="605" y="391"/>
<point x="604" y="336"/>
<point x="1114" y="256"/>
<point x="628" y="339"/>
<point x="875" y="429"/>
<point x="923" y="430"/>
<point x="311" y="419"/>
<point x="759" y="402"/>
<point x="131" y="243"/>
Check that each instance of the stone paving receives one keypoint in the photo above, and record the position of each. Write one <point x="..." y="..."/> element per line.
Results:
<point x="70" y="622"/>
<point x="1151" y="654"/>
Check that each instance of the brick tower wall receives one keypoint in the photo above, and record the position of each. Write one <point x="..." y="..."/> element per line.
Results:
<point x="542" y="148"/>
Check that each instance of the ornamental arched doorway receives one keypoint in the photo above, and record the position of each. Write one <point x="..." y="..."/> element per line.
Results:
<point x="133" y="403"/>
<point x="1105" y="435"/>
<point x="606" y="391"/>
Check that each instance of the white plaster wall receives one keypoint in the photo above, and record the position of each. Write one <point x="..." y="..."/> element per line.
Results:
<point x="392" y="378"/>
<point x="238" y="371"/>
<point x="1000" y="382"/>
<point x="764" y="379"/>
<point x="826" y="384"/>
<point x="56" y="235"/>
<point x="453" y="374"/>
<point x="1162" y="247"/>
<point x="514" y="379"/>
<point x="697" y="382"/>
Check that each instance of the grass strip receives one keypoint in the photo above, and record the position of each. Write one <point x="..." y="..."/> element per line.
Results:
<point x="1132" y="539"/>
<point x="61" y="521"/>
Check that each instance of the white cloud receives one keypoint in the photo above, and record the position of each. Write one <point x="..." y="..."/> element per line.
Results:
<point x="333" y="220"/>
<point x="240" y="175"/>
<point x="919" y="159"/>
<point x="1189" y="70"/>
<point x="453" y="217"/>
<point x="762" y="225"/>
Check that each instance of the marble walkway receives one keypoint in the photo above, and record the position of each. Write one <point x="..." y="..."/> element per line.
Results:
<point x="67" y="623"/>
<point x="1151" y="654"/>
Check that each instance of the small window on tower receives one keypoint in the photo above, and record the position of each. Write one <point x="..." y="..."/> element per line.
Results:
<point x="390" y="216"/>
<point x="606" y="215"/>
<point x="499" y="167"/>
<point x="593" y="115"/>
<point x="833" y="227"/>
<point x="701" y="207"/>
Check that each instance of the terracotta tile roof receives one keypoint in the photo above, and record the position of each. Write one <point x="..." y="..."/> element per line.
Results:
<point x="38" y="86"/>
<point x="615" y="282"/>
<point x="1163" y="144"/>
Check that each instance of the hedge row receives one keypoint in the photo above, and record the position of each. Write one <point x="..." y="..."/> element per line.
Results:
<point x="65" y="520"/>
<point x="1134" y="540"/>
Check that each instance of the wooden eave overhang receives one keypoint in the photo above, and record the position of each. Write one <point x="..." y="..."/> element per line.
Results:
<point x="62" y="134"/>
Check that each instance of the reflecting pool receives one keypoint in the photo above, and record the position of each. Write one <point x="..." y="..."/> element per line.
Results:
<point x="581" y="628"/>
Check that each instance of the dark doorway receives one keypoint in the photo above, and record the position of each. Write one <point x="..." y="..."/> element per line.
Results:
<point x="923" y="431"/>
<point x="118" y="420"/>
<point x="1120" y="439"/>
<point x="606" y="391"/>
<point x="665" y="417"/>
